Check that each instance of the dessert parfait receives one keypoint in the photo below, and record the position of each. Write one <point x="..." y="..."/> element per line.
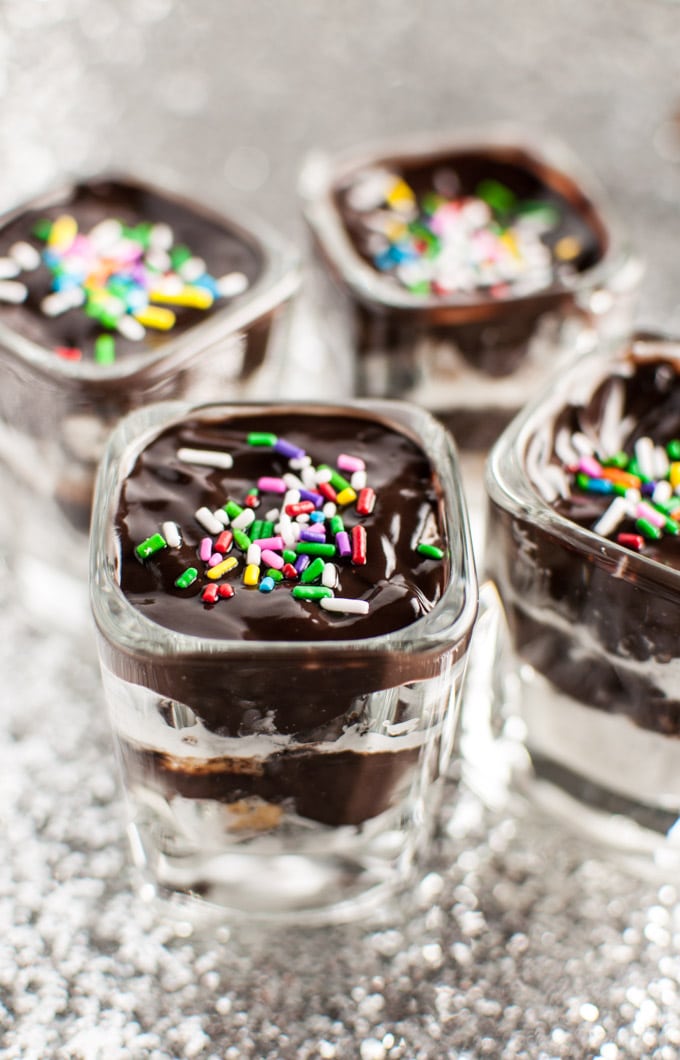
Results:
<point x="284" y="597"/>
<point x="112" y="294"/>
<point x="464" y="271"/>
<point x="584" y="549"/>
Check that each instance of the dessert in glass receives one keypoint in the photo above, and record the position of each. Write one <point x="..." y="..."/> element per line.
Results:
<point x="114" y="293"/>
<point x="284" y="597"/>
<point x="459" y="272"/>
<point x="583" y="548"/>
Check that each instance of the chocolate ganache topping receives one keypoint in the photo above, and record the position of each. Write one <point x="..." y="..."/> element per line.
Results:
<point x="398" y="573"/>
<point x="109" y="268"/>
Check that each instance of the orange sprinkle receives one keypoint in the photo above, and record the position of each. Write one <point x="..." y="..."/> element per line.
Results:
<point x="621" y="478"/>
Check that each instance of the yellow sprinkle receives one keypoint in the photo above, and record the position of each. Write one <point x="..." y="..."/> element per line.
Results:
<point x="395" y="230"/>
<point x="63" y="232"/>
<point x="346" y="496"/>
<point x="251" y="574"/>
<point x="222" y="568"/>
<point x="193" y="297"/>
<point x="154" y="316"/>
<point x="674" y="474"/>
<point x="567" y="248"/>
<point x="510" y="243"/>
<point x="400" y="194"/>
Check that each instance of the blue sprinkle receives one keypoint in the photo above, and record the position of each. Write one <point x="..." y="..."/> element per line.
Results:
<point x="317" y="517"/>
<point x="266" y="585"/>
<point x="209" y="283"/>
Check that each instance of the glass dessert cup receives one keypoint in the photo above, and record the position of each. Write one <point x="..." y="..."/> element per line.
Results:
<point x="63" y="390"/>
<point x="292" y="778"/>
<point x="582" y="715"/>
<point x="469" y="350"/>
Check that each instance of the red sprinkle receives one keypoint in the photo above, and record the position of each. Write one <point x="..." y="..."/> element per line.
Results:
<point x="69" y="353"/>
<point x="327" y="491"/>
<point x="300" y="508"/>
<point x="225" y="590"/>
<point x="358" y="545"/>
<point x="253" y="501"/>
<point x="209" y="594"/>
<point x="366" y="501"/>
<point x="224" y="541"/>
<point x="288" y="571"/>
<point x="635" y="541"/>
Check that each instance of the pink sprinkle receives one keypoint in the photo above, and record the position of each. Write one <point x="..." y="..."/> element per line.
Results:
<point x="346" y="462"/>
<point x="590" y="466"/>
<point x="205" y="549"/>
<point x="271" y="485"/>
<point x="645" y="511"/>
<point x="216" y="558"/>
<point x="276" y="543"/>
<point x="271" y="559"/>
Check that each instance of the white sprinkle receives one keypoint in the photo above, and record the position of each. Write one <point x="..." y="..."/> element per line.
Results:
<point x="291" y="497"/>
<point x="564" y="449"/>
<point x="53" y="305"/>
<point x="254" y="554"/>
<point x="169" y="285"/>
<point x="206" y="457"/>
<point x="222" y="517"/>
<point x="161" y="237"/>
<point x="272" y="515"/>
<point x="358" y="480"/>
<point x="13" y="291"/>
<point x="232" y="284"/>
<point x="296" y="463"/>
<point x="611" y="518"/>
<point x="633" y="498"/>
<point x="293" y="482"/>
<point x="308" y="476"/>
<point x="208" y="521"/>
<point x="324" y="474"/>
<point x="171" y="534"/>
<point x="244" y="519"/>
<point x="303" y="519"/>
<point x="661" y="462"/>
<point x="26" y="256"/>
<point x="329" y="509"/>
<point x="581" y="444"/>
<point x="8" y="269"/>
<point x="158" y="259"/>
<point x="130" y="328"/>
<point x="344" y="605"/>
<point x="329" y="577"/>
<point x="191" y="269"/>
<point x="105" y="234"/>
<point x="663" y="491"/>
<point x="644" y="453"/>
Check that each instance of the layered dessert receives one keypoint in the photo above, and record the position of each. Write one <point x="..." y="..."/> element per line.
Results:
<point x="584" y="547"/>
<point x="466" y="270"/>
<point x="284" y="597"/>
<point x="112" y="294"/>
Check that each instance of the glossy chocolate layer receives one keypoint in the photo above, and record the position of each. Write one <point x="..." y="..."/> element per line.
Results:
<point x="399" y="584"/>
<point x="223" y="248"/>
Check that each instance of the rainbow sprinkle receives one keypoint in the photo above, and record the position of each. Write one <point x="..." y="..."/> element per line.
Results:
<point x="127" y="278"/>
<point x="436" y="244"/>
<point x="300" y="548"/>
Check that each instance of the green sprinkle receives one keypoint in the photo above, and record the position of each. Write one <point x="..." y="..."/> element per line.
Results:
<point x="336" y="524"/>
<point x="267" y="528"/>
<point x="262" y="438"/>
<point x="104" y="349"/>
<point x="232" y="509"/>
<point x="431" y="551"/>
<point x="673" y="449"/>
<point x="671" y="527"/>
<point x="256" y="530"/>
<point x="289" y="556"/>
<point x="619" y="460"/>
<point x="543" y="212"/>
<point x="312" y="548"/>
<point x="41" y="229"/>
<point x="152" y="544"/>
<point x="178" y="255"/>
<point x="312" y="572"/>
<point x="186" y="578"/>
<point x="496" y="195"/>
<point x="648" y="529"/>
<point x="336" y="480"/>
<point x="242" y="540"/>
<point x="582" y="480"/>
<point x="275" y="574"/>
<point x="311" y="592"/>
<point x="634" y="469"/>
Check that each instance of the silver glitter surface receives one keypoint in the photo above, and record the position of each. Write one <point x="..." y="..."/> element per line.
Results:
<point x="519" y="941"/>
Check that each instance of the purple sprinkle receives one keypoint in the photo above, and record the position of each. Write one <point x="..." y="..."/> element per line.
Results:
<point x="315" y="498"/>
<point x="342" y="543"/>
<point x="313" y="533"/>
<point x="647" y="488"/>
<point x="293" y="452"/>
<point x="301" y="562"/>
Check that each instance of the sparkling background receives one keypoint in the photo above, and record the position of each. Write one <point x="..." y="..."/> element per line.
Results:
<point x="519" y="942"/>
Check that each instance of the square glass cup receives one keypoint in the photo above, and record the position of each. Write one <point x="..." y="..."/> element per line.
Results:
<point x="469" y="348"/>
<point x="582" y="610"/>
<point x="284" y="779"/>
<point x="57" y="408"/>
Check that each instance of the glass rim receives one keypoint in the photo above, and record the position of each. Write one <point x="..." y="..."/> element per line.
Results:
<point x="322" y="172"/>
<point x="277" y="281"/>
<point x="509" y="486"/>
<point x="447" y="626"/>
